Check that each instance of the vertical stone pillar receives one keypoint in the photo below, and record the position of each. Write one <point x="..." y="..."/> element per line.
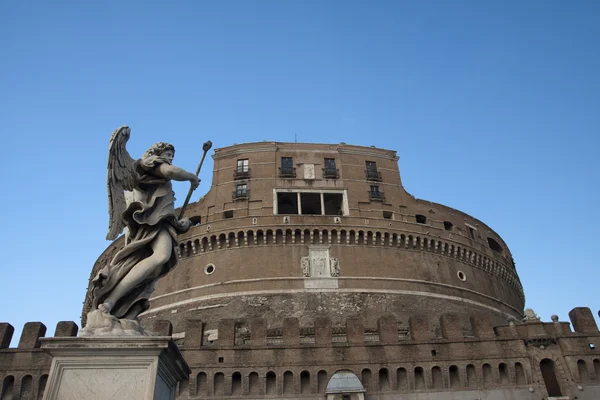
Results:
<point x="419" y="327"/>
<point x="323" y="331"/>
<point x="291" y="331"/>
<point x="583" y="320"/>
<point x="258" y="332"/>
<point x="32" y="332"/>
<point x="6" y="334"/>
<point x="355" y="331"/>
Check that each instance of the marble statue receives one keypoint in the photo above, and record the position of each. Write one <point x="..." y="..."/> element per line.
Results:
<point x="123" y="286"/>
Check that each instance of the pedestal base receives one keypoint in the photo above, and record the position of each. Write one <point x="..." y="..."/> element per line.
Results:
<point x="111" y="368"/>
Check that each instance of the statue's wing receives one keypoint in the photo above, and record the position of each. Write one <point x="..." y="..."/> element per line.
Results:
<point x="120" y="177"/>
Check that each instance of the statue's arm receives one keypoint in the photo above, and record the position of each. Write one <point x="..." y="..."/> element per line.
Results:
<point x="169" y="171"/>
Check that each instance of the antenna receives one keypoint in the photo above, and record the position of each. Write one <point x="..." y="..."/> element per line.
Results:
<point x="295" y="137"/>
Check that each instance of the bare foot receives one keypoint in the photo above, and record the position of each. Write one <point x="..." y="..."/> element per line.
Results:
<point x="105" y="307"/>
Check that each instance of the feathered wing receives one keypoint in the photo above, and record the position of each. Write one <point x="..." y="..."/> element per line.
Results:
<point x="120" y="177"/>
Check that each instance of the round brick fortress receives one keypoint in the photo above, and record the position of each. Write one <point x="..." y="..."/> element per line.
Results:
<point x="312" y="230"/>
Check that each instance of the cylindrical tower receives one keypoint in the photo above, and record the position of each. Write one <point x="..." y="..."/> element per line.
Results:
<point x="309" y="230"/>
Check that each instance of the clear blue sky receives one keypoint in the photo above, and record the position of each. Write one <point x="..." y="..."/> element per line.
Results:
<point x="493" y="107"/>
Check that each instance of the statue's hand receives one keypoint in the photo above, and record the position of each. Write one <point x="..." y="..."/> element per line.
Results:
<point x="185" y="224"/>
<point x="195" y="181"/>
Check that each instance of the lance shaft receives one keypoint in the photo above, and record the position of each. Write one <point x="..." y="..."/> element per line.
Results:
<point x="206" y="147"/>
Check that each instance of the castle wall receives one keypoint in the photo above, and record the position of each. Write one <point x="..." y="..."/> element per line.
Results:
<point x="250" y="360"/>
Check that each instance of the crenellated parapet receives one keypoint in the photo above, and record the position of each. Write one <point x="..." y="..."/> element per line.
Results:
<point x="242" y="358"/>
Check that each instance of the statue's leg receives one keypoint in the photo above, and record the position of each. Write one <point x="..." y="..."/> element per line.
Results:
<point x="162" y="246"/>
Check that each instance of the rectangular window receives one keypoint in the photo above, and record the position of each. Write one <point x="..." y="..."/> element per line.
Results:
<point x="471" y="232"/>
<point x="333" y="203"/>
<point x="375" y="189"/>
<point x="242" y="165"/>
<point x="287" y="203"/>
<point x="388" y="214"/>
<point x="241" y="191"/>
<point x="372" y="173"/>
<point x="330" y="171"/>
<point x="287" y="167"/>
<point x="311" y="203"/>
<point x="228" y="214"/>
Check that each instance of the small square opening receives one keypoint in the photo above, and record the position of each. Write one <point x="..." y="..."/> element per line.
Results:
<point x="221" y="359"/>
<point x="433" y="352"/>
<point x="388" y="214"/>
<point x="448" y="225"/>
<point x="421" y="219"/>
<point x="228" y="214"/>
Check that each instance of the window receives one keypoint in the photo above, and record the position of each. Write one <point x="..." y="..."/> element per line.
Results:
<point x="228" y="214"/>
<point x="371" y="171"/>
<point x="241" y="171"/>
<point x="195" y="220"/>
<point x="388" y="214"/>
<point x="242" y="165"/>
<point x="375" y="194"/>
<point x="448" y="225"/>
<point x="241" y="191"/>
<point x="287" y="167"/>
<point x="494" y="245"/>
<point x="471" y="232"/>
<point x="421" y="219"/>
<point x="330" y="171"/>
<point x="310" y="202"/>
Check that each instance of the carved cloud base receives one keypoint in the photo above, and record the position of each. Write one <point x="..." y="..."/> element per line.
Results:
<point x="102" y="368"/>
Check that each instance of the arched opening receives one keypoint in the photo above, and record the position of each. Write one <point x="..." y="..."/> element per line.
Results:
<point x="236" y="383"/>
<point x="343" y="236"/>
<point x="250" y="237"/>
<point x="240" y="237"/>
<point x="288" y="382"/>
<point x="384" y="380"/>
<point x="370" y="240"/>
<point x="597" y="368"/>
<point x="271" y="383"/>
<point x="278" y="236"/>
<point x="218" y="384"/>
<point x="352" y="237"/>
<point x="8" y="386"/>
<point x="494" y="245"/>
<point x="487" y="374"/>
<point x="503" y="374"/>
<point x="325" y="237"/>
<point x="402" y="379"/>
<point x="213" y="242"/>
<point x="419" y="378"/>
<point x="201" y="386"/>
<point x="231" y="237"/>
<point x="454" y="377"/>
<point x="253" y="385"/>
<point x="26" y="388"/>
<point x="321" y="381"/>
<point x="361" y="237"/>
<point x="421" y="219"/>
<point x="366" y="378"/>
<point x="269" y="237"/>
<point x="42" y="386"/>
<point x="520" y="374"/>
<point x="436" y="378"/>
<point x="288" y="236"/>
<point x="222" y="241"/>
<point x="345" y="385"/>
<point x="334" y="236"/>
<point x="582" y="369"/>
<point x="297" y="236"/>
<point x="549" y="375"/>
<point x="471" y="376"/>
<point x="304" y="382"/>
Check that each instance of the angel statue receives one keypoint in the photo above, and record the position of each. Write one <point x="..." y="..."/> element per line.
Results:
<point x="122" y="288"/>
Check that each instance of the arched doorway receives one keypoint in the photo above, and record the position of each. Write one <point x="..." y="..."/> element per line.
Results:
<point x="345" y="385"/>
<point x="549" y="375"/>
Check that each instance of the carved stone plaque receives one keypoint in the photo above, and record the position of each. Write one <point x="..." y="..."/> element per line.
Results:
<point x="309" y="171"/>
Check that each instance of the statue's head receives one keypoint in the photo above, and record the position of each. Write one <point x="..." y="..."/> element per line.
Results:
<point x="161" y="149"/>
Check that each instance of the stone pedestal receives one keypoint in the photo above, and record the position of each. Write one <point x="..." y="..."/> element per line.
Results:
<point x="111" y="368"/>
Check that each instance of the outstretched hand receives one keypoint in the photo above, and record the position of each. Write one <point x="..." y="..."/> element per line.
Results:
<point x="195" y="181"/>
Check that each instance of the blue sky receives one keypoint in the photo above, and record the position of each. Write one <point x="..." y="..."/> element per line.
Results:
<point x="493" y="108"/>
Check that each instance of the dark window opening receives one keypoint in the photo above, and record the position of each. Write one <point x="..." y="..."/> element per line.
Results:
<point x="287" y="203"/>
<point x="371" y="171"/>
<point x="375" y="194"/>
<point x="333" y="203"/>
<point x="330" y="170"/>
<point x="220" y="359"/>
<point x="471" y="232"/>
<point x="494" y="245"/>
<point x="287" y="167"/>
<point x="448" y="225"/>
<point x="228" y="214"/>
<point x="421" y="219"/>
<point x="433" y="352"/>
<point x="195" y="220"/>
<point x="388" y="214"/>
<point x="311" y="203"/>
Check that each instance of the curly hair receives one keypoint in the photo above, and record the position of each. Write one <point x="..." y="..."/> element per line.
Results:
<point x="158" y="148"/>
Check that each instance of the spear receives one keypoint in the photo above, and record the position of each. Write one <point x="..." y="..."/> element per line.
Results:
<point x="206" y="147"/>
